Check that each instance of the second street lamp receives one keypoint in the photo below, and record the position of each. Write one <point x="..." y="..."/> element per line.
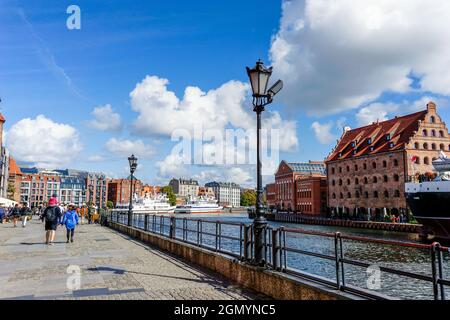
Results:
<point x="259" y="80"/>
<point x="133" y="165"/>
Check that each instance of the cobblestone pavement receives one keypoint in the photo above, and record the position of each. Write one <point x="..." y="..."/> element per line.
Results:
<point x="112" y="267"/>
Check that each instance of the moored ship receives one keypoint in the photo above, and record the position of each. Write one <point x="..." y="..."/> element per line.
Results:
<point x="200" y="205"/>
<point x="429" y="201"/>
<point x="149" y="204"/>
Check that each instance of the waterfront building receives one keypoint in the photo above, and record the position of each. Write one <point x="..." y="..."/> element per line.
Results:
<point x="37" y="189"/>
<point x="97" y="189"/>
<point x="286" y="178"/>
<point x="368" y="168"/>
<point x="72" y="190"/>
<point x="119" y="190"/>
<point x="14" y="180"/>
<point x="271" y="195"/>
<point x="206" y="192"/>
<point x="148" y="190"/>
<point x="311" y="195"/>
<point x="226" y="193"/>
<point x="184" y="187"/>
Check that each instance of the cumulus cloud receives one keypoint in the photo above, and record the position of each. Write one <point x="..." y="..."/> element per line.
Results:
<point x="106" y="119"/>
<point x="375" y="112"/>
<point x="43" y="142"/>
<point x="161" y="112"/>
<point x="323" y="132"/>
<point x="124" y="147"/>
<point x="339" y="55"/>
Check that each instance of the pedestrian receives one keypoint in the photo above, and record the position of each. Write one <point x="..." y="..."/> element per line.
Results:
<point x="2" y="215"/>
<point x="52" y="215"/>
<point x="15" y="214"/>
<point x="70" y="221"/>
<point x="24" y="212"/>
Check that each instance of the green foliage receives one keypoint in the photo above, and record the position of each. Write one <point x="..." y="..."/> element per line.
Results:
<point x="11" y="190"/>
<point x="248" y="198"/>
<point x="110" y="205"/>
<point x="172" y="197"/>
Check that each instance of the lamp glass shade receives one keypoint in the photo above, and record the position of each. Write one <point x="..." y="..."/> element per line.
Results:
<point x="259" y="78"/>
<point x="133" y="162"/>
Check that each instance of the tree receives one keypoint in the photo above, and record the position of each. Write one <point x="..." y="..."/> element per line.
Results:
<point x="248" y="198"/>
<point x="11" y="191"/>
<point x="172" y="197"/>
<point x="110" y="204"/>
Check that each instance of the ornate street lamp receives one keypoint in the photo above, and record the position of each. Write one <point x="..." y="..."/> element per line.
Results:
<point x="259" y="80"/>
<point x="133" y="165"/>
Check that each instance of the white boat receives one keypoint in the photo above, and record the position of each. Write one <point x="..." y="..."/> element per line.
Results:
<point x="200" y="205"/>
<point x="154" y="204"/>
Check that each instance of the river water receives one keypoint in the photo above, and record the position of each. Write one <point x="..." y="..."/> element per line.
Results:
<point x="402" y="258"/>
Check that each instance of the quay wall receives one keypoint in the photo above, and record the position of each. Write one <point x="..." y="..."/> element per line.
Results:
<point x="274" y="284"/>
<point x="395" y="227"/>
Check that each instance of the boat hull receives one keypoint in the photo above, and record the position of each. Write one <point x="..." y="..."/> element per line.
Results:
<point x="432" y="210"/>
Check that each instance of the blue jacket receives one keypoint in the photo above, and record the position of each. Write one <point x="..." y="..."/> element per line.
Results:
<point x="70" y="219"/>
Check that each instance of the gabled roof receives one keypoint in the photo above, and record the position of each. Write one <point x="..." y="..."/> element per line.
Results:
<point x="390" y="135"/>
<point x="13" y="167"/>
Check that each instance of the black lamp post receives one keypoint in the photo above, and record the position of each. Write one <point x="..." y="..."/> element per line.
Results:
<point x="259" y="79"/>
<point x="133" y="165"/>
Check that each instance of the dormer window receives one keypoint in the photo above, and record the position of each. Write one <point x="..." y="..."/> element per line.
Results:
<point x="355" y="152"/>
<point x="391" y="145"/>
<point x="369" y="141"/>
<point x="388" y="137"/>
<point x="371" y="148"/>
<point x="340" y="154"/>
<point x="353" y="144"/>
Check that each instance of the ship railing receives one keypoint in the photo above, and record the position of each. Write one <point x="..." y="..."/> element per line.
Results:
<point x="350" y="263"/>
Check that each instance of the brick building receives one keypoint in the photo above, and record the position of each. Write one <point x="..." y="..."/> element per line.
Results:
<point x="369" y="166"/>
<point x="97" y="189"/>
<point x="14" y="180"/>
<point x="311" y="195"/>
<point x="271" y="195"/>
<point x="37" y="189"/>
<point x="286" y="182"/>
<point x="119" y="190"/>
<point x="147" y="190"/>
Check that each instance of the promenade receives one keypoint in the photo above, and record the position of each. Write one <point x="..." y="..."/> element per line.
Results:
<point x="112" y="267"/>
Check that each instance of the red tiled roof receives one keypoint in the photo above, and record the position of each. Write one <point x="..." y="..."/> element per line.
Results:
<point x="401" y="129"/>
<point x="13" y="167"/>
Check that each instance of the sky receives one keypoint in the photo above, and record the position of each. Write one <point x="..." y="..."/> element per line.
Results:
<point x="138" y="75"/>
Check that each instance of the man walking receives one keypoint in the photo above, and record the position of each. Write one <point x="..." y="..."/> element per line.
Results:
<point x="15" y="214"/>
<point x="51" y="214"/>
<point x="24" y="212"/>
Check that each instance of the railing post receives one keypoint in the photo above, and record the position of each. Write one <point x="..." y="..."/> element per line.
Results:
<point x="336" y="257"/>
<point x="275" y="249"/>
<point x="440" y="269"/>
<point x="434" y="271"/>
<point x="247" y="243"/>
<point x="172" y="228"/>
<point x="146" y="222"/>
<point x="341" y="248"/>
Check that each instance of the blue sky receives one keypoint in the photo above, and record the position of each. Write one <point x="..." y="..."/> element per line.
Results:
<point x="46" y="69"/>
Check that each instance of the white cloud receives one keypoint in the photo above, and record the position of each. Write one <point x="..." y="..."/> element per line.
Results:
<point x="375" y="112"/>
<point x="339" y="55"/>
<point x="170" y="167"/>
<point x="96" y="158"/>
<point x="323" y="132"/>
<point x="43" y="142"/>
<point x="126" y="147"/>
<point x="106" y="119"/>
<point x="161" y="112"/>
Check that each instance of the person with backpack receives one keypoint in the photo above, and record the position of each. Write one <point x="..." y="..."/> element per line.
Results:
<point x="25" y="211"/>
<point x="70" y="221"/>
<point x="51" y="214"/>
<point x="15" y="214"/>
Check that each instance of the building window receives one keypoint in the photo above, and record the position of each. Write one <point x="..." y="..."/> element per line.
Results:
<point x="332" y="171"/>
<point x="356" y="167"/>
<point x="397" y="194"/>
<point x="384" y="164"/>
<point x="369" y="141"/>
<point x="348" y="169"/>
<point x="374" y="165"/>
<point x="375" y="194"/>
<point x="424" y="133"/>
<point x="388" y="137"/>
<point x="366" y="195"/>
<point x="348" y="182"/>
<point x="365" y="166"/>
<point x="349" y="195"/>
<point x="391" y="145"/>
<point x="385" y="178"/>
<point x="395" y="163"/>
<point x="432" y="119"/>
<point x="375" y="180"/>
<point x="340" y="170"/>
<point x="333" y="183"/>
<point x="426" y="161"/>
<point x="433" y="133"/>
<point x="334" y="196"/>
<point x="441" y="133"/>
<point x="433" y="146"/>
<point x="417" y="160"/>
<point x="356" y="181"/>
<point x="340" y="182"/>
<point x="416" y="145"/>
<point x="425" y="146"/>
<point x="396" y="177"/>
<point x="357" y="194"/>
<point x="442" y="147"/>
<point x="341" y="196"/>
<point x="386" y="194"/>
<point x="366" y="181"/>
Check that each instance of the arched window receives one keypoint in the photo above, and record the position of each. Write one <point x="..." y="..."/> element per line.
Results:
<point x="417" y="160"/>
<point x="366" y="195"/>
<point x="374" y="165"/>
<point x="432" y="119"/>
<point x="348" y="182"/>
<point x="375" y="194"/>
<point x="341" y="196"/>
<point x="356" y="181"/>
<point x="386" y="194"/>
<point x="333" y="171"/>
<point x="349" y="195"/>
<point x="340" y="182"/>
<point x="424" y="133"/>
<point x="357" y="194"/>
<point x="385" y="178"/>
<point x="384" y="164"/>
<point x="441" y="133"/>
<point x="416" y="145"/>
<point x="426" y="160"/>
<point x="348" y="169"/>
<point x="395" y="163"/>
<point x="433" y="146"/>
<point x="334" y="196"/>
<point x="396" y="177"/>
<point x="365" y="165"/>
<point x="333" y="183"/>
<point x="442" y="147"/>
<point x="397" y="194"/>
<point x="425" y="146"/>
<point x="340" y="170"/>
<point x="366" y="181"/>
<point x="356" y="167"/>
<point x="375" y="179"/>
<point x="433" y="133"/>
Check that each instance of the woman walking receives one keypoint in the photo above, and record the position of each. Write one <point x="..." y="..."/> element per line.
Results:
<point x="70" y="220"/>
<point x="15" y="214"/>
<point x="51" y="215"/>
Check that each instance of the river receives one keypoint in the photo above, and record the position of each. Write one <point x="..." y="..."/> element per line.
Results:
<point x="406" y="259"/>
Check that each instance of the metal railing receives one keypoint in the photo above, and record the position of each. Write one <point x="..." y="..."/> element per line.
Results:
<point x="281" y="250"/>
